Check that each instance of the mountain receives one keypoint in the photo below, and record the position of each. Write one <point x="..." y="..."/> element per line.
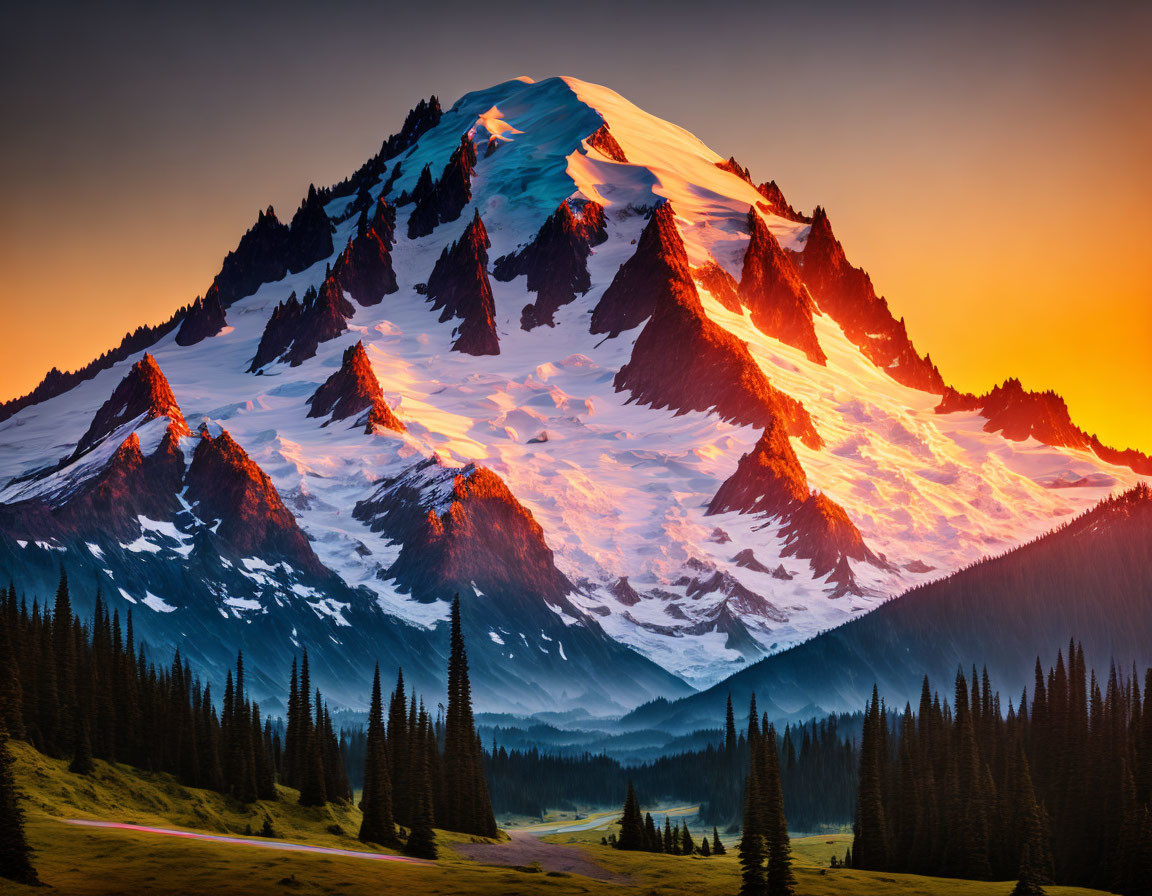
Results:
<point x="554" y="353"/>
<point x="1088" y="580"/>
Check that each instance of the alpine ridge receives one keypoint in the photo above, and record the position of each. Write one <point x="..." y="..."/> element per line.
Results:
<point x="642" y="414"/>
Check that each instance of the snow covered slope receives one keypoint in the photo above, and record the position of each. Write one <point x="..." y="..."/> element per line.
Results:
<point x="620" y="489"/>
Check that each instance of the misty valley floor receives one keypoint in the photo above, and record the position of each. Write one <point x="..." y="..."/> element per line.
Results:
<point x="86" y="860"/>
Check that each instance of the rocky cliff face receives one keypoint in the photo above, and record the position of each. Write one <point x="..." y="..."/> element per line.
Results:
<point x="682" y="359"/>
<point x="846" y="294"/>
<point x="352" y="390"/>
<point x="296" y="328"/>
<point x="458" y="287"/>
<point x="556" y="261"/>
<point x="364" y="269"/>
<point x="143" y="393"/>
<point x="226" y="489"/>
<point x="205" y="318"/>
<point x="774" y="294"/>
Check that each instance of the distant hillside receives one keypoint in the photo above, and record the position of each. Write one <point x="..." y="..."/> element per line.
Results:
<point x="1091" y="579"/>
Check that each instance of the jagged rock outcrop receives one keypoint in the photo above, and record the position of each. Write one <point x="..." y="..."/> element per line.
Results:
<point x="463" y="529"/>
<point x="734" y="167"/>
<point x="443" y="201"/>
<point x="845" y="293"/>
<point x="720" y="284"/>
<point x="309" y="234"/>
<point x="556" y="261"/>
<point x="770" y="481"/>
<point x="1018" y="414"/>
<point x="458" y="287"/>
<point x="225" y="484"/>
<point x="602" y="140"/>
<point x="144" y="392"/>
<point x="771" y="289"/>
<point x="741" y="599"/>
<point x="259" y="257"/>
<point x="682" y="359"/>
<point x="819" y="531"/>
<point x="624" y="592"/>
<point x="364" y="269"/>
<point x="775" y="203"/>
<point x="419" y="120"/>
<point x="657" y="267"/>
<point x="204" y="319"/>
<point x="352" y="390"/>
<point x="296" y="329"/>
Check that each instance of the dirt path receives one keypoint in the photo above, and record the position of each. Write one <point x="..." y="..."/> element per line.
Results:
<point x="247" y="841"/>
<point x="525" y="849"/>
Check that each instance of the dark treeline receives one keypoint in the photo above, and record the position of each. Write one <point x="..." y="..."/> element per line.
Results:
<point x="1057" y="789"/>
<point x="818" y="770"/>
<point x="639" y="832"/>
<point x="85" y="691"/>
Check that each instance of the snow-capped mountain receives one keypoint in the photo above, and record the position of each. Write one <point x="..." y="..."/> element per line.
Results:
<point x="552" y="353"/>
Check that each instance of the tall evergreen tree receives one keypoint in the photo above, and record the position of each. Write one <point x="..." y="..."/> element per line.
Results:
<point x="421" y="841"/>
<point x="780" y="880"/>
<point x="377" y="825"/>
<point x="15" y="854"/>
<point x="631" y="823"/>
<point x="753" y="881"/>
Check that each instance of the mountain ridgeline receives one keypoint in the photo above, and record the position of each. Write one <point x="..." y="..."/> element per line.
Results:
<point x="551" y="353"/>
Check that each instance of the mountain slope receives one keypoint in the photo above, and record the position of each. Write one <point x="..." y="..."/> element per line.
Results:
<point x="614" y="446"/>
<point x="1089" y="580"/>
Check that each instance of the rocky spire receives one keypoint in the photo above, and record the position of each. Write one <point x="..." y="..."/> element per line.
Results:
<point x="309" y="234"/>
<point x="774" y="294"/>
<point x="734" y="167"/>
<point x="682" y="359"/>
<point x="658" y="268"/>
<point x="144" y="392"/>
<point x="602" y="140"/>
<point x="204" y="319"/>
<point x="296" y="328"/>
<point x="770" y="481"/>
<point x="845" y="293"/>
<point x="225" y="485"/>
<point x="260" y="257"/>
<point x="446" y="199"/>
<point x="556" y="261"/>
<point x="353" y="389"/>
<point x="459" y="288"/>
<point x="364" y="269"/>
<point x="776" y="204"/>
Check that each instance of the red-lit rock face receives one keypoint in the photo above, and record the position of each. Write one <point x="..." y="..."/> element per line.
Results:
<point x="224" y="484"/>
<point x="601" y="139"/>
<point x="774" y="294"/>
<point x="364" y="268"/>
<point x="775" y="203"/>
<point x="459" y="288"/>
<point x="143" y="392"/>
<point x="353" y="389"/>
<point x="845" y="294"/>
<point x="682" y="359"/>
<point x="720" y="284"/>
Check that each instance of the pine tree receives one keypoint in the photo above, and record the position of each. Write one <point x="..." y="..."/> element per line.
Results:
<point x="780" y="881"/>
<point x="631" y="823"/>
<point x="82" y="756"/>
<point x="652" y="840"/>
<point x="15" y="854"/>
<point x="718" y="848"/>
<point x="753" y="881"/>
<point x="312" y="791"/>
<point x="398" y="750"/>
<point x="421" y="839"/>
<point x="377" y="825"/>
<point x="687" y="846"/>
<point x="705" y="849"/>
<point x="466" y="807"/>
<point x="668" y="836"/>
<point x="870" y="829"/>
<point x="1028" y="883"/>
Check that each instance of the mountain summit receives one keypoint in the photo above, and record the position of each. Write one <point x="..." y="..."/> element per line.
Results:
<point x="642" y="415"/>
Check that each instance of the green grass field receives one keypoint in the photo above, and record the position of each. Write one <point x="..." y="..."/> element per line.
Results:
<point x="82" y="861"/>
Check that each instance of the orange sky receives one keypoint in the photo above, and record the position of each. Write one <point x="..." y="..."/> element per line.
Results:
<point x="990" y="171"/>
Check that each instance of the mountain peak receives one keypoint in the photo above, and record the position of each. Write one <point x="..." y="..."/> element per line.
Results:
<point x="144" y="392"/>
<point x="353" y="389"/>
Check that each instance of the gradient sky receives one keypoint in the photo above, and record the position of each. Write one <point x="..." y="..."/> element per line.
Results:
<point x="989" y="164"/>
